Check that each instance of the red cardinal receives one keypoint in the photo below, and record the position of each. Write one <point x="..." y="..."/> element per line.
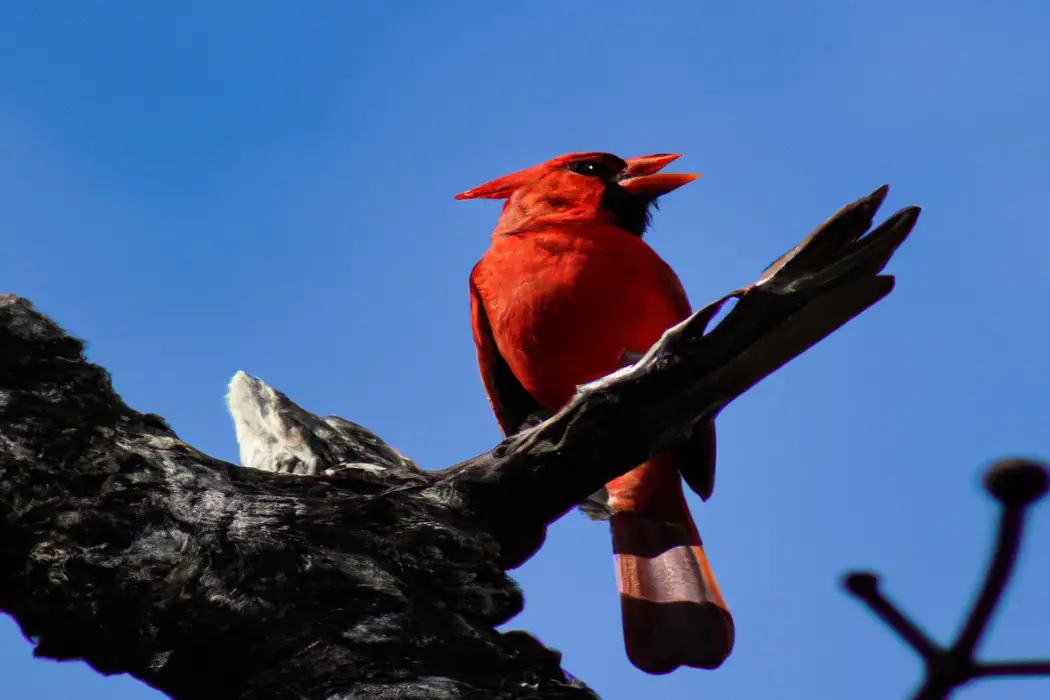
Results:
<point x="567" y="293"/>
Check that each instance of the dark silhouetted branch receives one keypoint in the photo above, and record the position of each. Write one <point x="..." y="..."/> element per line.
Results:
<point x="336" y="568"/>
<point x="1015" y="668"/>
<point x="864" y="585"/>
<point x="1015" y="484"/>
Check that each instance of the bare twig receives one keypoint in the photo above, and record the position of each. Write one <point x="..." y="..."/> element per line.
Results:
<point x="1016" y="484"/>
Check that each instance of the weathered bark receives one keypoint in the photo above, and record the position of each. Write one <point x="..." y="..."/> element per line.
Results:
<point x="351" y="573"/>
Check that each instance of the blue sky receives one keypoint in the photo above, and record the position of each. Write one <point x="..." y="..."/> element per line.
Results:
<point x="205" y="187"/>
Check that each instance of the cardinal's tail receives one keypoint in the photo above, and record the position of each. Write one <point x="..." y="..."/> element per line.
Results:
<point x="673" y="612"/>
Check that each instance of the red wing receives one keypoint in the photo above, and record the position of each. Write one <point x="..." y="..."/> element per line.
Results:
<point x="696" y="458"/>
<point x="676" y="293"/>
<point x="513" y="405"/>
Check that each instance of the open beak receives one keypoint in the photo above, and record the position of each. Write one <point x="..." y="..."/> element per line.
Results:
<point x="642" y="176"/>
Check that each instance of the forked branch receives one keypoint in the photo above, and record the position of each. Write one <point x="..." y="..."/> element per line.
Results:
<point x="1016" y="484"/>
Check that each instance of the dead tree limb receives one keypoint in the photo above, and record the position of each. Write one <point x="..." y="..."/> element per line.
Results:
<point x="350" y="573"/>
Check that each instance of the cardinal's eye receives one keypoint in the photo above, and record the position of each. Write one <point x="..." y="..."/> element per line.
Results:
<point x="586" y="167"/>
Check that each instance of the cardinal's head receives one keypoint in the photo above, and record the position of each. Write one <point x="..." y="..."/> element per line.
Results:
<point x="585" y="187"/>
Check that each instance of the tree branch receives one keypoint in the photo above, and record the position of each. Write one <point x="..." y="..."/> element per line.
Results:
<point x="337" y="568"/>
<point x="1016" y="484"/>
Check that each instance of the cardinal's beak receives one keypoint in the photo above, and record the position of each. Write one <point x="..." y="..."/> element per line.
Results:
<point x="643" y="177"/>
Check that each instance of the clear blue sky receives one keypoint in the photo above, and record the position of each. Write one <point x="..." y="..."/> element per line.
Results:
<point x="204" y="187"/>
